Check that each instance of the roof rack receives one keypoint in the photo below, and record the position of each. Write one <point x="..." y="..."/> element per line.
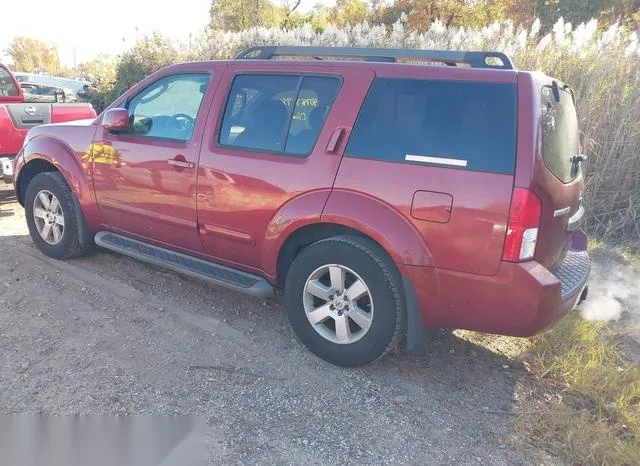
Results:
<point x="493" y="60"/>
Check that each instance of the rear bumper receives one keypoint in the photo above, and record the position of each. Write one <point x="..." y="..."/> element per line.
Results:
<point x="6" y="167"/>
<point x="522" y="299"/>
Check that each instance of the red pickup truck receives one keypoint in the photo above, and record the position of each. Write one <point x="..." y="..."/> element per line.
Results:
<point x="17" y="116"/>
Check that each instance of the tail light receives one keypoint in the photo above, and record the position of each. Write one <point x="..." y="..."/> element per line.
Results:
<point x="524" y="221"/>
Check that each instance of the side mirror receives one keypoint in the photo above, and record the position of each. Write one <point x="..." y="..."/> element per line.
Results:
<point x="116" y="120"/>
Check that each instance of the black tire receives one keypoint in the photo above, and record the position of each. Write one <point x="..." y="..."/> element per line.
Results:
<point x="379" y="273"/>
<point x="69" y="245"/>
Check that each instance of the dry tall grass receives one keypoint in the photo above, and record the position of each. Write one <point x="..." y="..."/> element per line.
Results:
<point x="603" y="66"/>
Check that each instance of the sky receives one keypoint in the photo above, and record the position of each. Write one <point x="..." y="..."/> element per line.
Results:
<point x="82" y="29"/>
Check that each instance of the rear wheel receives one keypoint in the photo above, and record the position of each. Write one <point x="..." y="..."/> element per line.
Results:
<point x="52" y="216"/>
<point x="344" y="300"/>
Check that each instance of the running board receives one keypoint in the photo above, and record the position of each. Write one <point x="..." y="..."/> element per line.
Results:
<point x="188" y="265"/>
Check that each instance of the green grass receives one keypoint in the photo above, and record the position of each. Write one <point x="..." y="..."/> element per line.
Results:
<point x="584" y="404"/>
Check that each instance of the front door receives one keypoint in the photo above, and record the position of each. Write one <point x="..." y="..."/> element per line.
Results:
<point x="145" y="178"/>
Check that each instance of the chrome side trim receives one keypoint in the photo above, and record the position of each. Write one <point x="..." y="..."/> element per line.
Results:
<point x="561" y="212"/>
<point x="436" y="160"/>
<point x="576" y="220"/>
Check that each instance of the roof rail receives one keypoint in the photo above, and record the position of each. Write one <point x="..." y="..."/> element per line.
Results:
<point x="493" y="60"/>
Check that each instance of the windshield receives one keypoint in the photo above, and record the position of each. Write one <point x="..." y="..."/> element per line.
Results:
<point x="7" y="85"/>
<point x="560" y="136"/>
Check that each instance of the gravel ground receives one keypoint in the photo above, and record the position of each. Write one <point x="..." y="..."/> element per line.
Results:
<point x="108" y="335"/>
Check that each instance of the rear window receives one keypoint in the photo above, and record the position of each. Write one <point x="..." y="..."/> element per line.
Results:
<point x="467" y="125"/>
<point x="560" y="136"/>
<point x="7" y="86"/>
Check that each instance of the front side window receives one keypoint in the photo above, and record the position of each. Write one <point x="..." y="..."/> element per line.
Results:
<point x="168" y="108"/>
<point x="277" y="113"/>
<point x="470" y="125"/>
<point x="7" y="86"/>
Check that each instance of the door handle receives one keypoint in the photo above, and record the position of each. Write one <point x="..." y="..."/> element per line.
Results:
<point x="180" y="162"/>
<point x="335" y="139"/>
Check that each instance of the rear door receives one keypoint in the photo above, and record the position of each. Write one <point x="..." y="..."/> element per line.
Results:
<point x="269" y="143"/>
<point x="558" y="178"/>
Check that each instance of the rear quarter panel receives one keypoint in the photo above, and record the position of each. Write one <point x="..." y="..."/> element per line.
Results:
<point x="471" y="238"/>
<point x="11" y="138"/>
<point x="470" y="241"/>
<point x="69" y="112"/>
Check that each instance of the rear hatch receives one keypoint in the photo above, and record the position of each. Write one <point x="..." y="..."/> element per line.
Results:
<point x="557" y="177"/>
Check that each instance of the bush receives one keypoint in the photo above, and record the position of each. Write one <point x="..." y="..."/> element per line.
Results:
<point x="144" y="58"/>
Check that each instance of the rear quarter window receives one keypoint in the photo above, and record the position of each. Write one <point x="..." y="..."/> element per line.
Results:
<point x="467" y="125"/>
<point x="560" y="134"/>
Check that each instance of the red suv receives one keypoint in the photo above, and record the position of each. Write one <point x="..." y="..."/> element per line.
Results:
<point x="384" y="198"/>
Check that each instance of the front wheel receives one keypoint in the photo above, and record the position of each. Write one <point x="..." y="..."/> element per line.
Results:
<point x="52" y="216"/>
<point x="344" y="301"/>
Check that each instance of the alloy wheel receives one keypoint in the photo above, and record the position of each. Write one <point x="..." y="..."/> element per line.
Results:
<point x="338" y="304"/>
<point x="48" y="217"/>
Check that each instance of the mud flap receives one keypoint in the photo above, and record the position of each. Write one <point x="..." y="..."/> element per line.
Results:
<point x="417" y="337"/>
<point x="85" y="235"/>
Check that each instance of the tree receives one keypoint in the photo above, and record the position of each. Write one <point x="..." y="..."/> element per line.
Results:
<point x="33" y="55"/>
<point x="101" y="73"/>
<point x="422" y="13"/>
<point x="109" y="80"/>
<point x="624" y="11"/>
<point x="100" y="66"/>
<point x="521" y="12"/>
<point x="290" y="18"/>
<point x="145" y="57"/>
<point x="347" y="12"/>
<point x="319" y="18"/>
<point x="572" y="11"/>
<point x="236" y="15"/>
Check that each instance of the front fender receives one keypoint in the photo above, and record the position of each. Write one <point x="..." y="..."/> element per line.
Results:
<point x="73" y="168"/>
<point x="380" y="222"/>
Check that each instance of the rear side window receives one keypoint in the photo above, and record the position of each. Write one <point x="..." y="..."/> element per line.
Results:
<point x="560" y="136"/>
<point x="277" y="113"/>
<point x="7" y="86"/>
<point x="445" y="123"/>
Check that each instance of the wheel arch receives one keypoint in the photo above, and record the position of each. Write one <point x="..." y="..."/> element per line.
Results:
<point x="46" y="153"/>
<point x="28" y="172"/>
<point x="309" y="234"/>
<point x="345" y="212"/>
